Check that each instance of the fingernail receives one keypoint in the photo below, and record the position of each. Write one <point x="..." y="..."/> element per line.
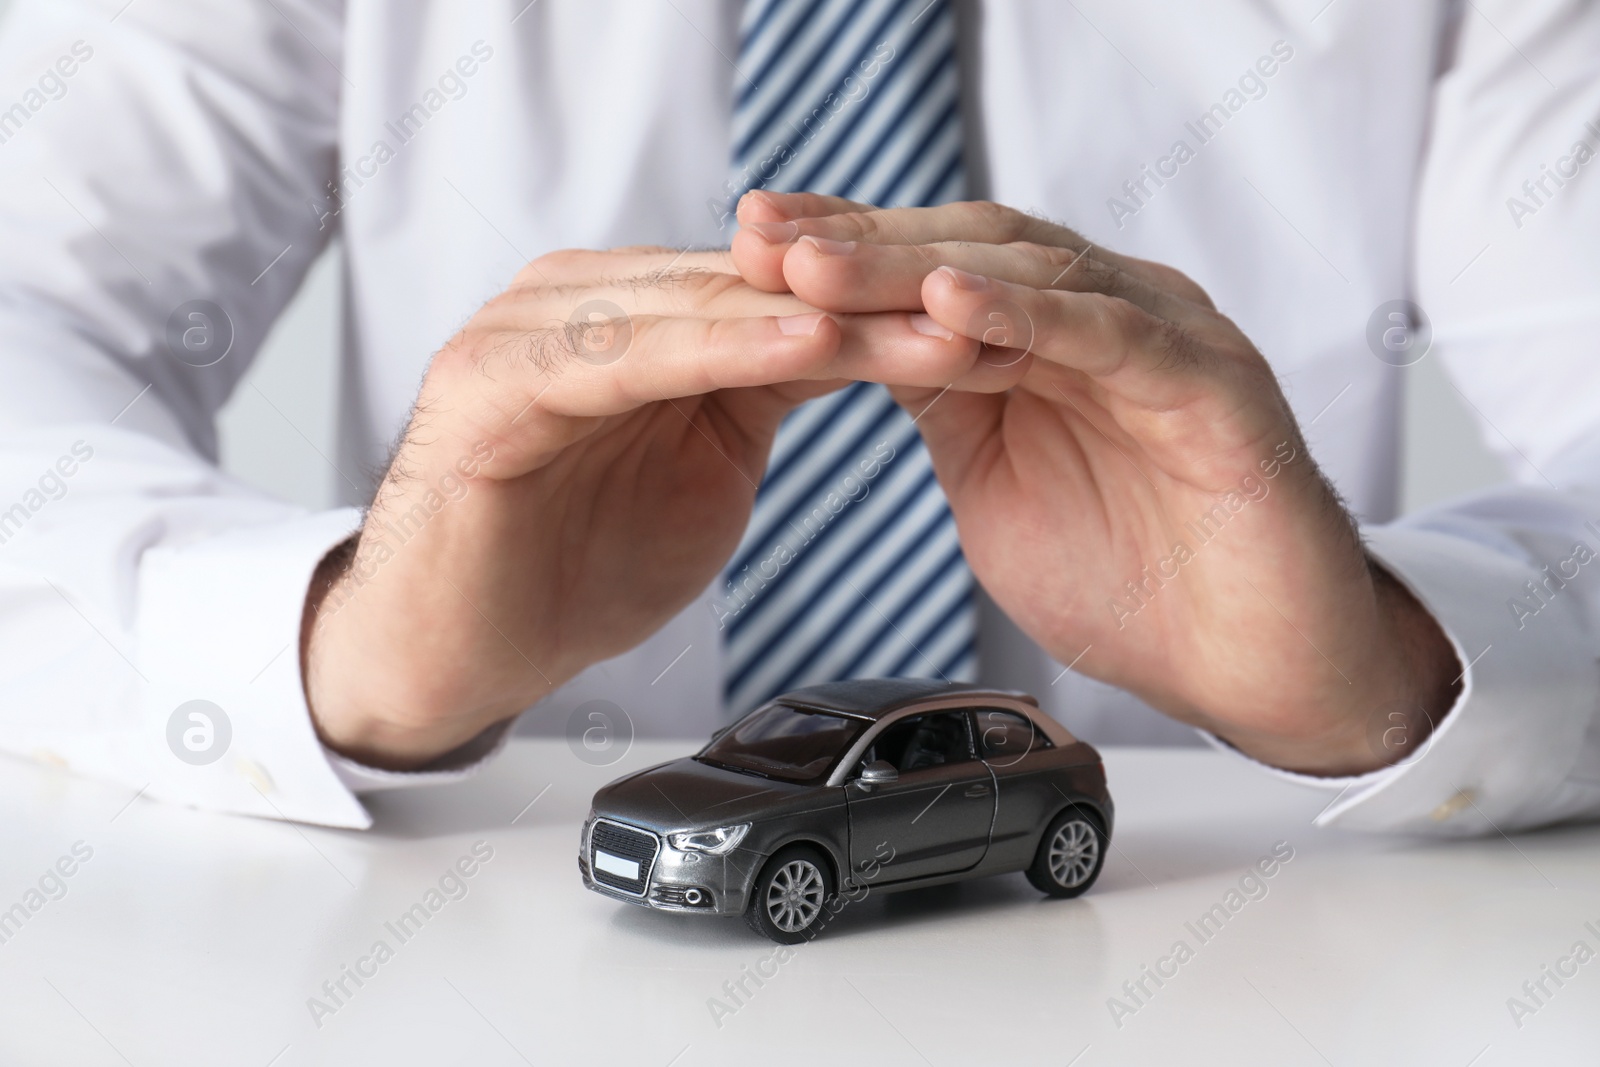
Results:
<point x="776" y="233"/>
<point x="754" y="196"/>
<point x="800" y="325"/>
<point x="763" y="198"/>
<point x="927" y="324"/>
<point x="828" y="247"/>
<point x="964" y="279"/>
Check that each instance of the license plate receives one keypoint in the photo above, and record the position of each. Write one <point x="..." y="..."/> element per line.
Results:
<point x="605" y="861"/>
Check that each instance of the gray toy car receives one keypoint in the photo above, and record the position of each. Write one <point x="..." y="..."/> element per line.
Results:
<point x="826" y="793"/>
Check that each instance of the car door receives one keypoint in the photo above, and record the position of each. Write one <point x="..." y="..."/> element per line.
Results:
<point x="1025" y="765"/>
<point x="936" y="818"/>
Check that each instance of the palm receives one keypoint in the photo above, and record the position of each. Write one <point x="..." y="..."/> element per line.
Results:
<point x="629" y="524"/>
<point x="1060" y="508"/>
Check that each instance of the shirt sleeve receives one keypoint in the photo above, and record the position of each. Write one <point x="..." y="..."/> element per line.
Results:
<point x="1521" y="746"/>
<point x="1506" y="271"/>
<point x="159" y="182"/>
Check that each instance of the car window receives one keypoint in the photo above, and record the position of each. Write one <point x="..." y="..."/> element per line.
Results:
<point x="1003" y="735"/>
<point x="792" y="744"/>
<point x="919" y="742"/>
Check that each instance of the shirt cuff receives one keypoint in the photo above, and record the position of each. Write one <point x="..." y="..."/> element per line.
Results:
<point x="456" y="765"/>
<point x="1500" y="758"/>
<point x="224" y="720"/>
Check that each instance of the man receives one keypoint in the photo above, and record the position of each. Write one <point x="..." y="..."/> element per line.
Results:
<point x="1141" y="498"/>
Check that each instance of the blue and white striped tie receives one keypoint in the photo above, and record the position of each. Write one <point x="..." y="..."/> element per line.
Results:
<point x="850" y="567"/>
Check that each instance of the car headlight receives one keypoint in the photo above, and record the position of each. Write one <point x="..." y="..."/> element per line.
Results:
<point x="722" y="839"/>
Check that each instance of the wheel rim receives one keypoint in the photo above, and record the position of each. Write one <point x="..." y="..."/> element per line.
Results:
<point x="1073" y="853"/>
<point x="794" y="896"/>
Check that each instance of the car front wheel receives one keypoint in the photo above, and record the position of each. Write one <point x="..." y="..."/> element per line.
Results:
<point x="787" y="903"/>
<point x="1070" y="854"/>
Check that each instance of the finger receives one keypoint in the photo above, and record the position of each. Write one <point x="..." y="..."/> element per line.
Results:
<point x="1129" y="351"/>
<point x="914" y="350"/>
<point x="765" y="231"/>
<point x="764" y="205"/>
<point x="858" y="276"/>
<point x="607" y="368"/>
<point x="690" y="293"/>
<point x="980" y="222"/>
<point x="580" y="266"/>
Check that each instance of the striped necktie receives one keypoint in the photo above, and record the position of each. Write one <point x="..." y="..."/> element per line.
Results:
<point x="850" y="566"/>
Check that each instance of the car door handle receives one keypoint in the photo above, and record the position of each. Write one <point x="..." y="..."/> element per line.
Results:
<point x="977" y="789"/>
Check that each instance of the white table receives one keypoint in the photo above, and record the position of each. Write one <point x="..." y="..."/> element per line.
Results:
<point x="190" y="938"/>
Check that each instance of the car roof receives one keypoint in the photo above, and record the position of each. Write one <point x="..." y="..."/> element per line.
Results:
<point x="873" y="698"/>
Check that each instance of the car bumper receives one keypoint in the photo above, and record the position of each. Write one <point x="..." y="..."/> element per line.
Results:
<point x="691" y="882"/>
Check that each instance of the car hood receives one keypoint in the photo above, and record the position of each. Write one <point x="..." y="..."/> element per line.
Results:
<point x="686" y="795"/>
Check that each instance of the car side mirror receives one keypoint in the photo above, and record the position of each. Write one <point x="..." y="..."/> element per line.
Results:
<point x="878" y="772"/>
<point x="719" y="731"/>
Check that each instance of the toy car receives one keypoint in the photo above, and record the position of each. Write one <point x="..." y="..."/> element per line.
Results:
<point x="826" y="793"/>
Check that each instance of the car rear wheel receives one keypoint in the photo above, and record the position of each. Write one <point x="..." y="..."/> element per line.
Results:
<point x="1070" y="854"/>
<point x="787" y="902"/>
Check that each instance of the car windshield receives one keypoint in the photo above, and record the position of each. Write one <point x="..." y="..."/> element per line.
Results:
<point x="790" y="744"/>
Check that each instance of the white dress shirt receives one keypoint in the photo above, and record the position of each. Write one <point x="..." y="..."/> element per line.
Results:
<point x="1305" y="161"/>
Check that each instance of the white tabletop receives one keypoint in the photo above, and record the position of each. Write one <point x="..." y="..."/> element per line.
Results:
<point x="191" y="938"/>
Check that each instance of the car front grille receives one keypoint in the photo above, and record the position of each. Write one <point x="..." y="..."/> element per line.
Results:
<point x="628" y="844"/>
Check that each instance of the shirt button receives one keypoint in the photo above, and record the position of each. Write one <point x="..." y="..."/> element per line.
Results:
<point x="254" y="773"/>
<point x="1462" y="799"/>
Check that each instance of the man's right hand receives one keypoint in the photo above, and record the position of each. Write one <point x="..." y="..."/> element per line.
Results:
<point x="582" y="459"/>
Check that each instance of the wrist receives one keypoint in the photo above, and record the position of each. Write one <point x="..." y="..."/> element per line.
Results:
<point x="1409" y="679"/>
<point x="359" y="704"/>
<point x="1427" y="683"/>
